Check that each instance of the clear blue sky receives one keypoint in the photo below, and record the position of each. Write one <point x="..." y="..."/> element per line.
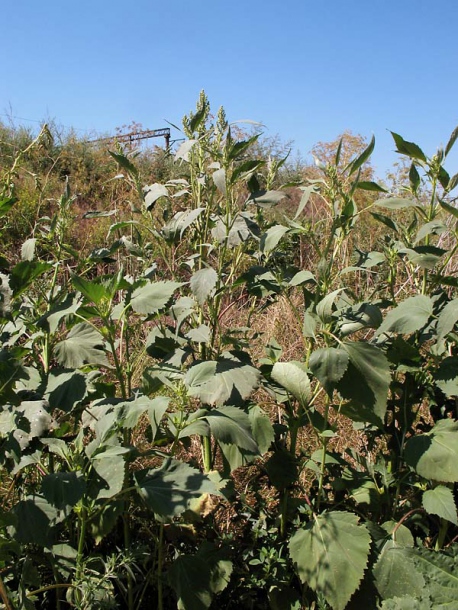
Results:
<point x="306" y="69"/>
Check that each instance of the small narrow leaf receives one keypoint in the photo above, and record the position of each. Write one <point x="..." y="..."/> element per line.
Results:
<point x="451" y="141"/>
<point x="363" y="157"/>
<point x="408" y="148"/>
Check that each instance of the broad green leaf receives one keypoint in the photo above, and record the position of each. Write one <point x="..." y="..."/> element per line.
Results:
<point x="201" y="334"/>
<point x="361" y="315"/>
<point x="83" y="345"/>
<point x="440" y="501"/>
<point x="282" y="469"/>
<point x="448" y="317"/>
<point x="103" y="521"/>
<point x="270" y="239"/>
<point x="293" y="377"/>
<point x="301" y="277"/>
<point x="261" y="428"/>
<point x="28" y="249"/>
<point x="63" y="489"/>
<point x="440" y="571"/>
<point x="38" y="421"/>
<point x="153" y="192"/>
<point x="449" y="208"/>
<point x="370" y="186"/>
<point x="408" y="148"/>
<point x="197" y="578"/>
<point x="430" y="228"/>
<point x="387" y="221"/>
<point x="231" y="425"/>
<point x="407" y="602"/>
<point x="409" y="316"/>
<point x="124" y="162"/>
<point x="395" y="203"/>
<point x="219" y="178"/>
<point x="153" y="297"/>
<point x="35" y="517"/>
<point x="66" y="389"/>
<point x="325" y="307"/>
<point x="225" y="381"/>
<point x="367" y="379"/>
<point x="203" y="283"/>
<point x="434" y="455"/>
<point x="189" y="577"/>
<point x="24" y="273"/>
<point x="329" y="365"/>
<point x="331" y="554"/>
<point x="266" y="199"/>
<point x="52" y="319"/>
<point x="240" y="229"/>
<point x="107" y="476"/>
<point x="94" y="291"/>
<point x="6" y="203"/>
<point x="395" y="573"/>
<point x="446" y="376"/>
<point x="184" y="150"/>
<point x="169" y="490"/>
<point x="180" y="222"/>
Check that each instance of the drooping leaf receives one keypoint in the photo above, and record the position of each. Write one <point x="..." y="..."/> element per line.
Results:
<point x="203" y="283"/>
<point x="293" y="377"/>
<point x="440" y="501"/>
<point x="325" y="307"/>
<point x="446" y="376"/>
<point x="65" y="389"/>
<point x="369" y="380"/>
<point x="154" y="296"/>
<point x="410" y="149"/>
<point x="354" y="165"/>
<point x="266" y="199"/>
<point x="63" y="489"/>
<point x="395" y="203"/>
<point x="83" y="345"/>
<point x="169" y="490"/>
<point x="370" y="186"/>
<point x="331" y="554"/>
<point x="329" y="365"/>
<point x="306" y="192"/>
<point x="28" y="249"/>
<point x="37" y="421"/>
<point x="107" y="477"/>
<point x="395" y="573"/>
<point x="152" y="193"/>
<point x="409" y="316"/>
<point x="448" y="317"/>
<point x="449" y="208"/>
<point x="282" y="469"/>
<point x="197" y="578"/>
<point x="270" y="239"/>
<point x="301" y="277"/>
<point x="24" y="273"/>
<point x="451" y="141"/>
<point x="201" y="334"/>
<point x="35" y="517"/>
<point x="225" y="381"/>
<point x="52" y="319"/>
<point x="261" y="428"/>
<point x="219" y="178"/>
<point x="434" y="455"/>
<point x="231" y="425"/>
<point x="94" y="291"/>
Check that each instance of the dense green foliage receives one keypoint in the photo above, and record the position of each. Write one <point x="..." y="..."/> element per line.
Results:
<point x="240" y="396"/>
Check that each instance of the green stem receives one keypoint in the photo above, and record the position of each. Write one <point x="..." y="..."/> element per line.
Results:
<point x="160" y="561"/>
<point x="442" y="534"/>
<point x="207" y="453"/>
